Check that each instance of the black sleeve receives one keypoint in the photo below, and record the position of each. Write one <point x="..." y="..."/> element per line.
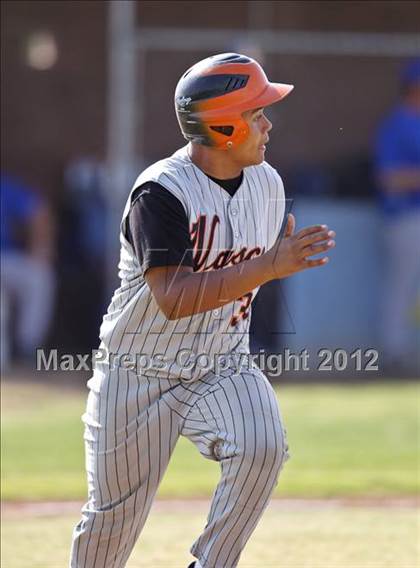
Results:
<point x="158" y="228"/>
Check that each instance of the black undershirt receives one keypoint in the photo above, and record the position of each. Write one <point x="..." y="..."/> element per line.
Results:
<point x="158" y="226"/>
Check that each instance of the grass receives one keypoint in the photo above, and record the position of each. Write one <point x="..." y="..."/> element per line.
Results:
<point x="294" y="538"/>
<point x="344" y="441"/>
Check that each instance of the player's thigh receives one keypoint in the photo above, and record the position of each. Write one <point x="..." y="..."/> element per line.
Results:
<point x="132" y="424"/>
<point x="256" y="415"/>
<point x="120" y="419"/>
<point x="238" y="415"/>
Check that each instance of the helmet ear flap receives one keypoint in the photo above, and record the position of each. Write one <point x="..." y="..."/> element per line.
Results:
<point x="240" y="133"/>
<point x="232" y="134"/>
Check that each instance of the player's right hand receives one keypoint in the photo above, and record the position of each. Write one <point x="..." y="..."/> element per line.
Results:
<point x="292" y="253"/>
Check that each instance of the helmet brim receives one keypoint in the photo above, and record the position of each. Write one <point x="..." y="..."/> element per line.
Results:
<point x="273" y="93"/>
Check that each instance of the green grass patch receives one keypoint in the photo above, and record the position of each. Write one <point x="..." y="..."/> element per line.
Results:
<point x="344" y="441"/>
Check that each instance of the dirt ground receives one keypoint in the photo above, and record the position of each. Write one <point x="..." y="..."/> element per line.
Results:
<point x="293" y="533"/>
<point x="54" y="508"/>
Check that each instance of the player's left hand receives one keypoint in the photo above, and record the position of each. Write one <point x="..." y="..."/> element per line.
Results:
<point x="291" y="253"/>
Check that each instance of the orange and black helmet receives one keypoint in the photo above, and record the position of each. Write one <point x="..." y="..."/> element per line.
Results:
<point x="212" y="95"/>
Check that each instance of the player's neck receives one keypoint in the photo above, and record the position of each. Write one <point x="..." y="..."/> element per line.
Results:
<point x="215" y="163"/>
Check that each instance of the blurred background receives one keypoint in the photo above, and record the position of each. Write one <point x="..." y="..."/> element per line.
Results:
<point x="87" y="103"/>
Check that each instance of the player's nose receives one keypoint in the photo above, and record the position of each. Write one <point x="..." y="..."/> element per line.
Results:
<point x="267" y="125"/>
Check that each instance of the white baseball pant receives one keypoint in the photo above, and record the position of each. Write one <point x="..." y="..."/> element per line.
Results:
<point x="132" y="424"/>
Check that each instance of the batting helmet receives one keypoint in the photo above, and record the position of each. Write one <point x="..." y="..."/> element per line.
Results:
<point x="212" y="95"/>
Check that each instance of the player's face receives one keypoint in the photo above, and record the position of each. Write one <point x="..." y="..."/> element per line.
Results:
<point x="252" y="151"/>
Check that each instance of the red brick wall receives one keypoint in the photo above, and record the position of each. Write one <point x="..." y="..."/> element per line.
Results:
<point x="50" y="116"/>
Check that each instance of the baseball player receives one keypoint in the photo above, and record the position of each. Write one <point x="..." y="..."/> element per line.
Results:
<point x="199" y="236"/>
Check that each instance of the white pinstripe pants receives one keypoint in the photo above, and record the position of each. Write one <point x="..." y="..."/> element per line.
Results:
<point x="131" y="427"/>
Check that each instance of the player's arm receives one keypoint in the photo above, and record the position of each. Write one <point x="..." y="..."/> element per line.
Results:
<point x="180" y="292"/>
<point x="41" y="234"/>
<point x="393" y="174"/>
<point x="399" y="179"/>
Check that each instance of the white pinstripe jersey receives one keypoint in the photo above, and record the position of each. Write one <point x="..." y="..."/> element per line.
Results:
<point x="224" y="231"/>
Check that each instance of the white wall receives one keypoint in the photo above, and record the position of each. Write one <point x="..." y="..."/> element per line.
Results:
<point x="337" y="306"/>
